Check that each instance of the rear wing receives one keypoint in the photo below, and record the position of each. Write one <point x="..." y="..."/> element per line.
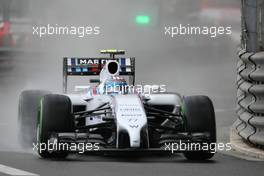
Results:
<point x="75" y="66"/>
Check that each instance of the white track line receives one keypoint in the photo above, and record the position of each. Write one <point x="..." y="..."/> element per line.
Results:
<point x="13" y="171"/>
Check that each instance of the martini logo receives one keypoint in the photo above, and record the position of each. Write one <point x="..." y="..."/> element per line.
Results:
<point x="88" y="61"/>
<point x="92" y="61"/>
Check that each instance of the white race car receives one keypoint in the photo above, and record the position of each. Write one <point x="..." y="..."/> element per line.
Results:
<point x="114" y="116"/>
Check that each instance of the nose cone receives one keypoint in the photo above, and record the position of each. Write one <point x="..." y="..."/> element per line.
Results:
<point x="130" y="117"/>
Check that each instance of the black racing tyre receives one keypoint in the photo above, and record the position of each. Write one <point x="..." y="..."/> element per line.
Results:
<point x="54" y="116"/>
<point x="27" y="116"/>
<point x="200" y="118"/>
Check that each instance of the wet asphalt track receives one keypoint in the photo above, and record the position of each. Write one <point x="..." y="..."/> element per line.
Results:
<point x="189" y="65"/>
<point x="131" y="166"/>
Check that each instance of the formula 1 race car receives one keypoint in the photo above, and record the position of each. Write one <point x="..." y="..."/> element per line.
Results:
<point x="114" y="116"/>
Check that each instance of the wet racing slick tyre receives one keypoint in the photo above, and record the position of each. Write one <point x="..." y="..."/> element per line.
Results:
<point x="54" y="116"/>
<point x="200" y="118"/>
<point x="27" y="116"/>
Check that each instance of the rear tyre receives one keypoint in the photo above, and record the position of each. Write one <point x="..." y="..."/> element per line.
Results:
<point x="54" y="116"/>
<point x="27" y="116"/>
<point x="200" y="118"/>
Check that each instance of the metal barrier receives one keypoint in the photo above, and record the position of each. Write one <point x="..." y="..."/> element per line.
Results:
<point x="250" y="97"/>
<point x="252" y="25"/>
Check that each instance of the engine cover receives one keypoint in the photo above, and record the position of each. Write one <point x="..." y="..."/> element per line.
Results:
<point x="130" y="117"/>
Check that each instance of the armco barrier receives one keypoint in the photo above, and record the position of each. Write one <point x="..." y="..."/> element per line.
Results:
<point x="250" y="97"/>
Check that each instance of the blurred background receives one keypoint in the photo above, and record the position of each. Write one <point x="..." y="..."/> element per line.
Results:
<point x="186" y="64"/>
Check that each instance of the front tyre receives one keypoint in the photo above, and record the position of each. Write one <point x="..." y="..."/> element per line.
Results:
<point x="200" y="118"/>
<point x="28" y="115"/>
<point x="54" y="117"/>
